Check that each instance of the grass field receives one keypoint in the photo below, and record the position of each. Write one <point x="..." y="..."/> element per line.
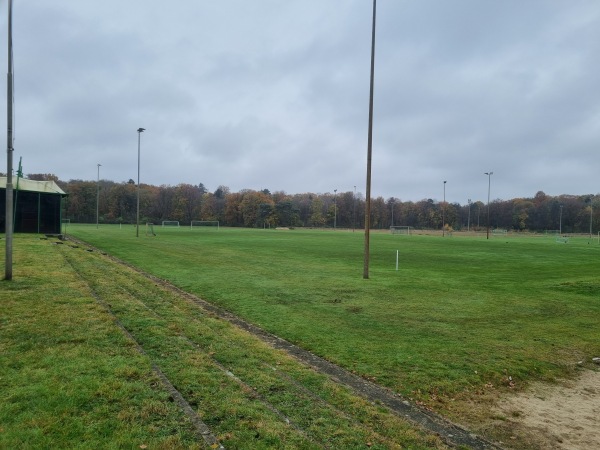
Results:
<point x="461" y="320"/>
<point x="459" y="313"/>
<point x="71" y="378"/>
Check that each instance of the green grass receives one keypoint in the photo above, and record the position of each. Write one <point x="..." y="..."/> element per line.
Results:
<point x="459" y="313"/>
<point x="70" y="378"/>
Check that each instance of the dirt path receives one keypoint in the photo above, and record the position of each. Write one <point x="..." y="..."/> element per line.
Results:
<point x="563" y="416"/>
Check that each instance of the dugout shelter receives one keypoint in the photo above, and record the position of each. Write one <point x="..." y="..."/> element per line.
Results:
<point x="38" y="206"/>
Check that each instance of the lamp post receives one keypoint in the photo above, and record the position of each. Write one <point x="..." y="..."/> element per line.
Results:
<point x="334" y="209"/>
<point x="98" y="196"/>
<point x="444" y="212"/>
<point x="469" y="216"/>
<point x="137" y="221"/>
<point x="393" y="204"/>
<point x="489" y="174"/>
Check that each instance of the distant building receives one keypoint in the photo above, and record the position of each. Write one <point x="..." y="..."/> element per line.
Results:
<point x="37" y="206"/>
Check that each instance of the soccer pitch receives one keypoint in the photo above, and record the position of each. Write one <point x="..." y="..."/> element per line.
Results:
<point x="458" y="314"/>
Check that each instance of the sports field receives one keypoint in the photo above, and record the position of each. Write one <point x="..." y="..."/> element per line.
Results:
<point x="462" y="322"/>
<point x="459" y="313"/>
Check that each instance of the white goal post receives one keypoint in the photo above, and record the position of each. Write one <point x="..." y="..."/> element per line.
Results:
<point x="204" y="224"/>
<point x="170" y="223"/>
<point x="405" y="230"/>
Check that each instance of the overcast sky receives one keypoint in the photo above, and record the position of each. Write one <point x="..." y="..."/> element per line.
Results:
<point x="274" y="94"/>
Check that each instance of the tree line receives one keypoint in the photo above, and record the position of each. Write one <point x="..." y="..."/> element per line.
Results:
<point x="117" y="203"/>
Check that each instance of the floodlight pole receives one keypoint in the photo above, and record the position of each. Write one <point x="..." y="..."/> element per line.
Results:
<point x="591" y="214"/>
<point x="9" y="155"/>
<point x="393" y="204"/>
<point x="354" y="211"/>
<point x="369" y="151"/>
<point x="98" y="196"/>
<point x="489" y="174"/>
<point x="137" y="221"/>
<point x="469" y="216"/>
<point x="444" y="212"/>
<point x="334" y="209"/>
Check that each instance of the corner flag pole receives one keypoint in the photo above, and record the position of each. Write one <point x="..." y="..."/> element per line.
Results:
<point x="9" y="154"/>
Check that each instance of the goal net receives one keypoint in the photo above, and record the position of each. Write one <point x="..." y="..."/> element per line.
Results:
<point x="170" y="223"/>
<point x="204" y="224"/>
<point x="400" y="230"/>
<point x="499" y="232"/>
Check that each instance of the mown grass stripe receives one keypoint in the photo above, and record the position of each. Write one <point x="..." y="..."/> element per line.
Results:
<point x="202" y="430"/>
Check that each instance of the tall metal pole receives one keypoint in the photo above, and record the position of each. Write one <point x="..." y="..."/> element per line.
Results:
<point x="469" y="217"/>
<point x="444" y="212"/>
<point x="137" y="220"/>
<point x="98" y="196"/>
<point x="354" y="211"/>
<point x="369" y="151"/>
<point x="334" y="209"/>
<point x="8" y="272"/>
<point x="489" y="174"/>
<point x="591" y="214"/>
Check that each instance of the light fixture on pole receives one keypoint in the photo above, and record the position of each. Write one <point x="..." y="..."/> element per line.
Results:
<point x="98" y="196"/>
<point x="489" y="174"/>
<point x="137" y="221"/>
<point x="334" y="209"/>
<point x="444" y="212"/>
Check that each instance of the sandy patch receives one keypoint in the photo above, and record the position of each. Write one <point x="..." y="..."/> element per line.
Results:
<point x="565" y="415"/>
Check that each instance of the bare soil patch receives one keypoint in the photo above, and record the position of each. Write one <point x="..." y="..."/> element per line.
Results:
<point x="561" y="416"/>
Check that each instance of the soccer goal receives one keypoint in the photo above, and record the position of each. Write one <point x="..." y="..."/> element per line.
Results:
<point x="150" y="229"/>
<point x="170" y="223"/>
<point x="400" y="230"/>
<point x="499" y="232"/>
<point x="204" y="224"/>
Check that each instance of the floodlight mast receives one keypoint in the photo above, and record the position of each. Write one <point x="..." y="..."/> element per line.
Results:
<point x="8" y="272"/>
<point x="369" y="151"/>
<point x="137" y="220"/>
<point x="489" y="174"/>
<point x="444" y="212"/>
<point x="98" y="196"/>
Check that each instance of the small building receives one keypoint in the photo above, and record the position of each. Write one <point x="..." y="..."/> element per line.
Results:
<point x="38" y="206"/>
